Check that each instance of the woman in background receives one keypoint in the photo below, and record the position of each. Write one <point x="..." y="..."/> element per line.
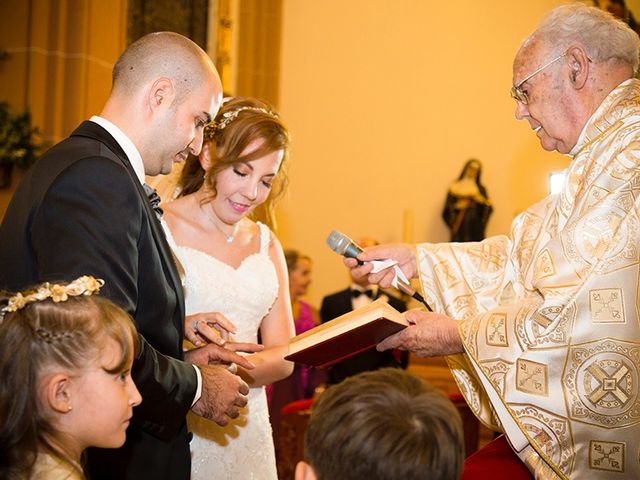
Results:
<point x="304" y="380"/>
<point x="299" y="268"/>
<point x="234" y="265"/>
<point x="467" y="208"/>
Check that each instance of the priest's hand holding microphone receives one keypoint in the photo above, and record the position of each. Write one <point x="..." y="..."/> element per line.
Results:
<point x="430" y="334"/>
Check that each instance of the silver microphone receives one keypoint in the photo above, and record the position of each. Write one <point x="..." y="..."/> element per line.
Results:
<point x="343" y="245"/>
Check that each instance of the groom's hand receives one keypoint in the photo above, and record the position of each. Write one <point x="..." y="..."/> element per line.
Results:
<point x="223" y="394"/>
<point x="212" y="354"/>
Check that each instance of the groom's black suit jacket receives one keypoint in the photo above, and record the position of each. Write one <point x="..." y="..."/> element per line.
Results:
<point x="81" y="210"/>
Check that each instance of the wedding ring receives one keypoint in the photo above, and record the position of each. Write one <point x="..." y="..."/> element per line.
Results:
<point x="195" y="326"/>
<point x="233" y="368"/>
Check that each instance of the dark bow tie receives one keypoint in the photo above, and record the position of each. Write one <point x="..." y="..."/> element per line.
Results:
<point x="154" y="199"/>
<point x="357" y="293"/>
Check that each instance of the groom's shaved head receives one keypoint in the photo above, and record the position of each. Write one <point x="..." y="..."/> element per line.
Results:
<point x="162" y="54"/>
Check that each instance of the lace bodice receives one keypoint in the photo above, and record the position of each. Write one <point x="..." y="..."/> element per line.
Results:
<point x="244" y="294"/>
<point x="244" y="448"/>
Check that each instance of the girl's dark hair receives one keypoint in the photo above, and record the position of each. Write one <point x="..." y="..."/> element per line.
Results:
<point x="251" y="120"/>
<point x="42" y="335"/>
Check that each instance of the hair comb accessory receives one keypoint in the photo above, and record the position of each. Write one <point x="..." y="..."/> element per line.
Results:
<point x="227" y="117"/>
<point x="85" y="285"/>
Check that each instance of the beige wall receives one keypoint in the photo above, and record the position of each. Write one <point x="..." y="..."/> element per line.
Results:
<point x="386" y="99"/>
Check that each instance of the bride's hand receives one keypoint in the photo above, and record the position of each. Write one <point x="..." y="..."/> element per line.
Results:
<point x="210" y="327"/>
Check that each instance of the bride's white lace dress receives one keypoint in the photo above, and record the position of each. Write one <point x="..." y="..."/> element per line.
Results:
<point x="244" y="448"/>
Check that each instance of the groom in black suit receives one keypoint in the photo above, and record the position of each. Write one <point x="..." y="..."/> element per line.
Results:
<point x="359" y="294"/>
<point x="82" y="210"/>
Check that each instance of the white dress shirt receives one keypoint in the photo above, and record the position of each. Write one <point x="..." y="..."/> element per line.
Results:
<point x="362" y="300"/>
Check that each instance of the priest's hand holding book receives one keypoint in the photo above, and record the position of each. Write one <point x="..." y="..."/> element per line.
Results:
<point x="375" y="325"/>
<point x="428" y="334"/>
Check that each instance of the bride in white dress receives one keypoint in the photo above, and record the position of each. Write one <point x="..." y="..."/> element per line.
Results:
<point x="235" y="266"/>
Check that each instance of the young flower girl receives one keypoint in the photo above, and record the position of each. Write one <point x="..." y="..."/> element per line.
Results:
<point x="65" y="383"/>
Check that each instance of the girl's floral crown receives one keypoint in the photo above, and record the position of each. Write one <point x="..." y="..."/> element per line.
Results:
<point x="85" y="285"/>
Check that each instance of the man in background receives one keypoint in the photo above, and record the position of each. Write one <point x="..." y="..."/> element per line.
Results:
<point x="619" y="9"/>
<point x="359" y="294"/>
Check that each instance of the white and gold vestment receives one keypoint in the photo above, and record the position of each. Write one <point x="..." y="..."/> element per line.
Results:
<point x="550" y="317"/>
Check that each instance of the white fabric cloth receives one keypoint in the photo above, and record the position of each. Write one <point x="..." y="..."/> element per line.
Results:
<point x="244" y="448"/>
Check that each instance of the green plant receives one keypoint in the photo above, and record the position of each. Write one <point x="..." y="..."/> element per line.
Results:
<point x="19" y="144"/>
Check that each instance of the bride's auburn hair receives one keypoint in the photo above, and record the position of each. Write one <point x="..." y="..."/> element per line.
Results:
<point x="240" y="122"/>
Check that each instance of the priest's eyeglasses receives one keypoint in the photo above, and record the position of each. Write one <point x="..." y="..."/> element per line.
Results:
<point x="520" y="95"/>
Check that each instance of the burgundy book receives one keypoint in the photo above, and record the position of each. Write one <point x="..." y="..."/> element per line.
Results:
<point x="346" y="335"/>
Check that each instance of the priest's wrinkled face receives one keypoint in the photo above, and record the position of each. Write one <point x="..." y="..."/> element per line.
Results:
<point x="544" y="95"/>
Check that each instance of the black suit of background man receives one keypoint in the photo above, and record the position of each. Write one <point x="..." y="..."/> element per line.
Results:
<point x="340" y="303"/>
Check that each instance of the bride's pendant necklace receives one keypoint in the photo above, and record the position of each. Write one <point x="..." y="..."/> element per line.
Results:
<point x="229" y="237"/>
